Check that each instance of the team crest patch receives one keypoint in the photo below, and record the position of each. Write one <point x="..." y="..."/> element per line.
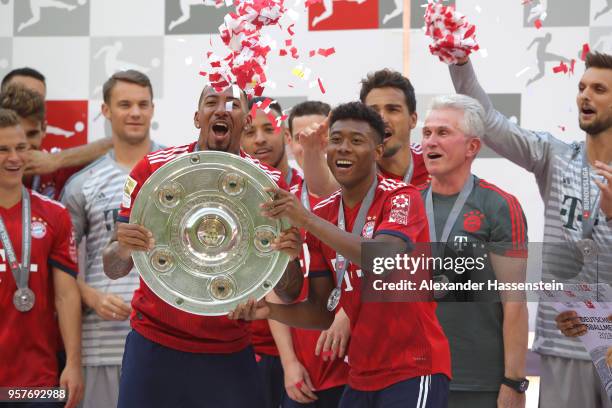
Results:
<point x="472" y="221"/>
<point x="400" y="207"/>
<point x="39" y="229"/>
<point x="368" y="229"/>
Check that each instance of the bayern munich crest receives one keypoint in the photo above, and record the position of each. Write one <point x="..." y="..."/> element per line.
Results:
<point x="39" y="229"/>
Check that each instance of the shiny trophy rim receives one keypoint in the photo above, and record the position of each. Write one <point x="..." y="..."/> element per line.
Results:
<point x="212" y="246"/>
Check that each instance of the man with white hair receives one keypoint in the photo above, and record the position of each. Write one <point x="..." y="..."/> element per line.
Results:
<point x="465" y="212"/>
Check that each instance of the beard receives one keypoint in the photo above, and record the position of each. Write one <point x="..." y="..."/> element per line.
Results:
<point x="390" y="151"/>
<point x="597" y="127"/>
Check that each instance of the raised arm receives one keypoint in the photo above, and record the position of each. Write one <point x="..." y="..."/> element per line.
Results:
<point x="40" y="162"/>
<point x="528" y="149"/>
<point x="317" y="175"/>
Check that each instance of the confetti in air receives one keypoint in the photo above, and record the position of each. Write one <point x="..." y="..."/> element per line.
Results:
<point x="247" y="49"/>
<point x="585" y="51"/>
<point x="537" y="23"/>
<point x="244" y="63"/>
<point x="453" y="36"/>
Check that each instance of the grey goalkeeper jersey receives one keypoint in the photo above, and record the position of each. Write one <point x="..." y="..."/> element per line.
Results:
<point x="557" y="168"/>
<point x="93" y="197"/>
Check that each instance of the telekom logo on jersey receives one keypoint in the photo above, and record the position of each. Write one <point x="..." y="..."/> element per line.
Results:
<point x="4" y="264"/>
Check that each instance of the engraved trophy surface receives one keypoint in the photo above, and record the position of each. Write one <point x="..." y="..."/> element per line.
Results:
<point x="212" y="246"/>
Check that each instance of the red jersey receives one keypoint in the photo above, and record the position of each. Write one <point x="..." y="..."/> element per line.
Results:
<point x="323" y="374"/>
<point x="261" y="336"/>
<point x="390" y="341"/>
<point x="155" y="319"/>
<point x="28" y="341"/>
<point x="420" y="174"/>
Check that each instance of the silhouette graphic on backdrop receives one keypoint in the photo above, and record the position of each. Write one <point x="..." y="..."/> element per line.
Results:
<point x="544" y="56"/>
<point x="112" y="63"/>
<point x="604" y="44"/>
<point x="603" y="11"/>
<point x="37" y="5"/>
<point x="328" y="11"/>
<point x="399" y="9"/>
<point x="58" y="131"/>
<point x="186" y="11"/>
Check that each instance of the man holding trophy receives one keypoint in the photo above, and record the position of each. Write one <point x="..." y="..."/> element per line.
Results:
<point x="170" y="349"/>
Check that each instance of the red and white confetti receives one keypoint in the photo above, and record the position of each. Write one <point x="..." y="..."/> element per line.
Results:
<point x="247" y="49"/>
<point x="244" y="63"/>
<point x="453" y="36"/>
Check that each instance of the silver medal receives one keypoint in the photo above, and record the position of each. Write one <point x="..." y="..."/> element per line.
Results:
<point x="334" y="299"/>
<point x="23" y="299"/>
<point x="588" y="248"/>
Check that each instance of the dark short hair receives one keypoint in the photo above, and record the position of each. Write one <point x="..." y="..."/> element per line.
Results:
<point x="308" y="108"/>
<point x="8" y="118"/>
<point x="598" y="60"/>
<point x="131" y="76"/>
<point x="387" y="78"/>
<point x="24" y="102"/>
<point x="361" y="112"/>
<point x="26" y="72"/>
<point x="274" y="105"/>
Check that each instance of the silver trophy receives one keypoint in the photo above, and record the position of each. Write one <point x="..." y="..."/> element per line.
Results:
<point x="213" y="248"/>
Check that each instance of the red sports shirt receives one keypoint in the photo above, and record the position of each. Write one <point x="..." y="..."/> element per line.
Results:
<point x="164" y="324"/>
<point x="390" y="341"/>
<point x="323" y="374"/>
<point x="261" y="336"/>
<point x="420" y="175"/>
<point x="28" y="341"/>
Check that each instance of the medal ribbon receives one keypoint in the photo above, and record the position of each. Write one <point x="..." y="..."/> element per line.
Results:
<point x="410" y="172"/>
<point x="21" y="273"/>
<point x="357" y="227"/>
<point x="452" y="216"/>
<point x="304" y="196"/>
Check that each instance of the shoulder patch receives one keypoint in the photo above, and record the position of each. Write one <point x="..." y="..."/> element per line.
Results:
<point x="130" y="185"/>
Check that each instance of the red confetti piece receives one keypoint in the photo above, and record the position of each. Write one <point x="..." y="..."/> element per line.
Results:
<point x="290" y="29"/>
<point x="321" y="85"/>
<point x="326" y="52"/>
<point x="537" y="23"/>
<point x="562" y="128"/>
<point x="203" y="73"/>
<point x="282" y="52"/>
<point x="312" y="53"/>
<point x="288" y="42"/>
<point x="573" y="64"/>
<point x="585" y="51"/>
<point x="562" y="67"/>
<point x="294" y="52"/>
